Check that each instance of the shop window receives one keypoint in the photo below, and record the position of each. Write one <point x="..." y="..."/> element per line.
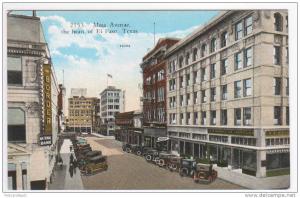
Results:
<point x="278" y="161"/>
<point x="249" y="160"/>
<point x="14" y="71"/>
<point x="16" y="131"/>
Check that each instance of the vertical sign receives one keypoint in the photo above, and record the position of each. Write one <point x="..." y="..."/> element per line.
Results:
<point x="47" y="100"/>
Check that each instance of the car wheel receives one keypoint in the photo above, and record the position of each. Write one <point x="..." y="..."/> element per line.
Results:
<point x="156" y="160"/>
<point x="139" y="153"/>
<point x="148" y="157"/>
<point x="161" y="162"/>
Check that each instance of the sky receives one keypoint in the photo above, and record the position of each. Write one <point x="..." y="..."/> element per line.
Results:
<point x="87" y="45"/>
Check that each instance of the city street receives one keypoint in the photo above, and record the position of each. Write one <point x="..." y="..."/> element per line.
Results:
<point x="128" y="171"/>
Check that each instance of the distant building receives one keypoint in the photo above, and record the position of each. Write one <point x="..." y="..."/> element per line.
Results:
<point x="154" y="91"/>
<point x="83" y="112"/>
<point x="112" y="102"/>
<point x="32" y="106"/>
<point x="78" y="92"/>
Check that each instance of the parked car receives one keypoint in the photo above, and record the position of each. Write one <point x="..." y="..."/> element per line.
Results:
<point x="126" y="147"/>
<point x="151" y="155"/>
<point x="164" y="159"/>
<point x="205" y="173"/>
<point x="187" y="167"/>
<point x="94" y="165"/>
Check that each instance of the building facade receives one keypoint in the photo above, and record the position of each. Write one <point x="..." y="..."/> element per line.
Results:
<point x="83" y="114"/>
<point x="129" y="127"/>
<point x="32" y="106"/>
<point x="154" y="91"/>
<point x="112" y="102"/>
<point x="228" y="92"/>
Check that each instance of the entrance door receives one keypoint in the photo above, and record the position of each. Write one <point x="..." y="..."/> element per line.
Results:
<point x="12" y="180"/>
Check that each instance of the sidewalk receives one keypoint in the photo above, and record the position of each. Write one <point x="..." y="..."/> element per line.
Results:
<point x="64" y="178"/>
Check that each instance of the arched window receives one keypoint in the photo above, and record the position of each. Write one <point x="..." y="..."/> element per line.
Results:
<point x="16" y="127"/>
<point x="203" y="50"/>
<point x="187" y="58"/>
<point x="278" y="22"/>
<point x="195" y="54"/>
<point x="213" y="45"/>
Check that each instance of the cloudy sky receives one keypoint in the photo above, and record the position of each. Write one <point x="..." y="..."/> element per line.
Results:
<point x="88" y="57"/>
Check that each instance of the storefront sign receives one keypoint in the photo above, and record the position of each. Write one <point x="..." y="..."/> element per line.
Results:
<point x="277" y="133"/>
<point x="278" y="151"/>
<point x="242" y="132"/>
<point x="45" y="140"/>
<point x="47" y="100"/>
<point x="161" y="139"/>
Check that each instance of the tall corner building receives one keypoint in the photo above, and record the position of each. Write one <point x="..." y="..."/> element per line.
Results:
<point x="154" y="91"/>
<point x="33" y="109"/>
<point x="228" y="92"/>
<point x="112" y="101"/>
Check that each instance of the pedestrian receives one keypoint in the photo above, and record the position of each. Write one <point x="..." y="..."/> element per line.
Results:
<point x="71" y="148"/>
<point x="71" y="170"/>
<point x="71" y="159"/>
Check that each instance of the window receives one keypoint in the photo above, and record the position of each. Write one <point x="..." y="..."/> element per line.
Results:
<point x="247" y="116"/>
<point x="238" y="30"/>
<point x="247" y="87"/>
<point x="213" y="71"/>
<point x="160" y="75"/>
<point x="213" y="117"/>
<point x="277" y="55"/>
<point x="187" y="79"/>
<point x="14" y="71"/>
<point x="172" y="84"/>
<point x="224" y="39"/>
<point x="180" y="61"/>
<point x="188" y="117"/>
<point x="181" y="81"/>
<point x="181" y="119"/>
<point x="287" y="55"/>
<point x="238" y="60"/>
<point x="248" y="25"/>
<point x="248" y="57"/>
<point x="224" y="92"/>
<point x="278" y="22"/>
<point x="224" y="66"/>
<point x="203" y="74"/>
<point x="213" y="94"/>
<point x="237" y="117"/>
<point x="287" y="115"/>
<point x="203" y="117"/>
<point x="195" y="75"/>
<point x="287" y="87"/>
<point x="181" y="100"/>
<point x="195" y="97"/>
<point x="213" y="45"/>
<point x="188" y="97"/>
<point x="203" y="96"/>
<point x="237" y="89"/>
<point x="277" y="86"/>
<point x="277" y="115"/>
<point x="223" y="117"/>
<point x="195" y="54"/>
<point x="16" y="129"/>
<point x="187" y="58"/>
<point x="196" y="118"/>
<point x="203" y="50"/>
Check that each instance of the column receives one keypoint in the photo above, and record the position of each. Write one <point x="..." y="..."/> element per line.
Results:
<point x="19" y="176"/>
<point x="261" y="156"/>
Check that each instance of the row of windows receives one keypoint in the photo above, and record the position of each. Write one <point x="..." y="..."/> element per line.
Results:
<point x="155" y="114"/>
<point x="160" y="94"/>
<point x="277" y="141"/>
<point x="155" y="77"/>
<point x="242" y="116"/>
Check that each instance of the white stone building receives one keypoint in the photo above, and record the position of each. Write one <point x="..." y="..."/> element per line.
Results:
<point x="228" y="92"/>
<point x="31" y="105"/>
<point x="112" y="101"/>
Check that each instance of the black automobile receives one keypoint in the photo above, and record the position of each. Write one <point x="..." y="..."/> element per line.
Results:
<point x="187" y="167"/>
<point x="126" y="147"/>
<point x="151" y="155"/>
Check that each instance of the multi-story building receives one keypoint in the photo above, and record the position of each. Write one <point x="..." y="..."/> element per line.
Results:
<point x="112" y="102"/>
<point x="228" y="92"/>
<point x="154" y="91"/>
<point x="32" y="106"/>
<point x="83" y="112"/>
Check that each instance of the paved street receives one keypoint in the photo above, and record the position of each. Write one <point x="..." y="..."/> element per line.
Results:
<point x="128" y="171"/>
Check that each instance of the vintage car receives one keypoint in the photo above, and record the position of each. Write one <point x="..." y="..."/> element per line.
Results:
<point x="83" y="158"/>
<point x="95" y="165"/>
<point x="151" y="155"/>
<point x="164" y="159"/>
<point x="205" y="173"/>
<point x="187" y="167"/>
<point x="172" y="162"/>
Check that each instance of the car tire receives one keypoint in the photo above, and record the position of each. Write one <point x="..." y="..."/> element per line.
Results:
<point x="139" y="153"/>
<point x="161" y="162"/>
<point x="156" y="160"/>
<point x="148" y="158"/>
